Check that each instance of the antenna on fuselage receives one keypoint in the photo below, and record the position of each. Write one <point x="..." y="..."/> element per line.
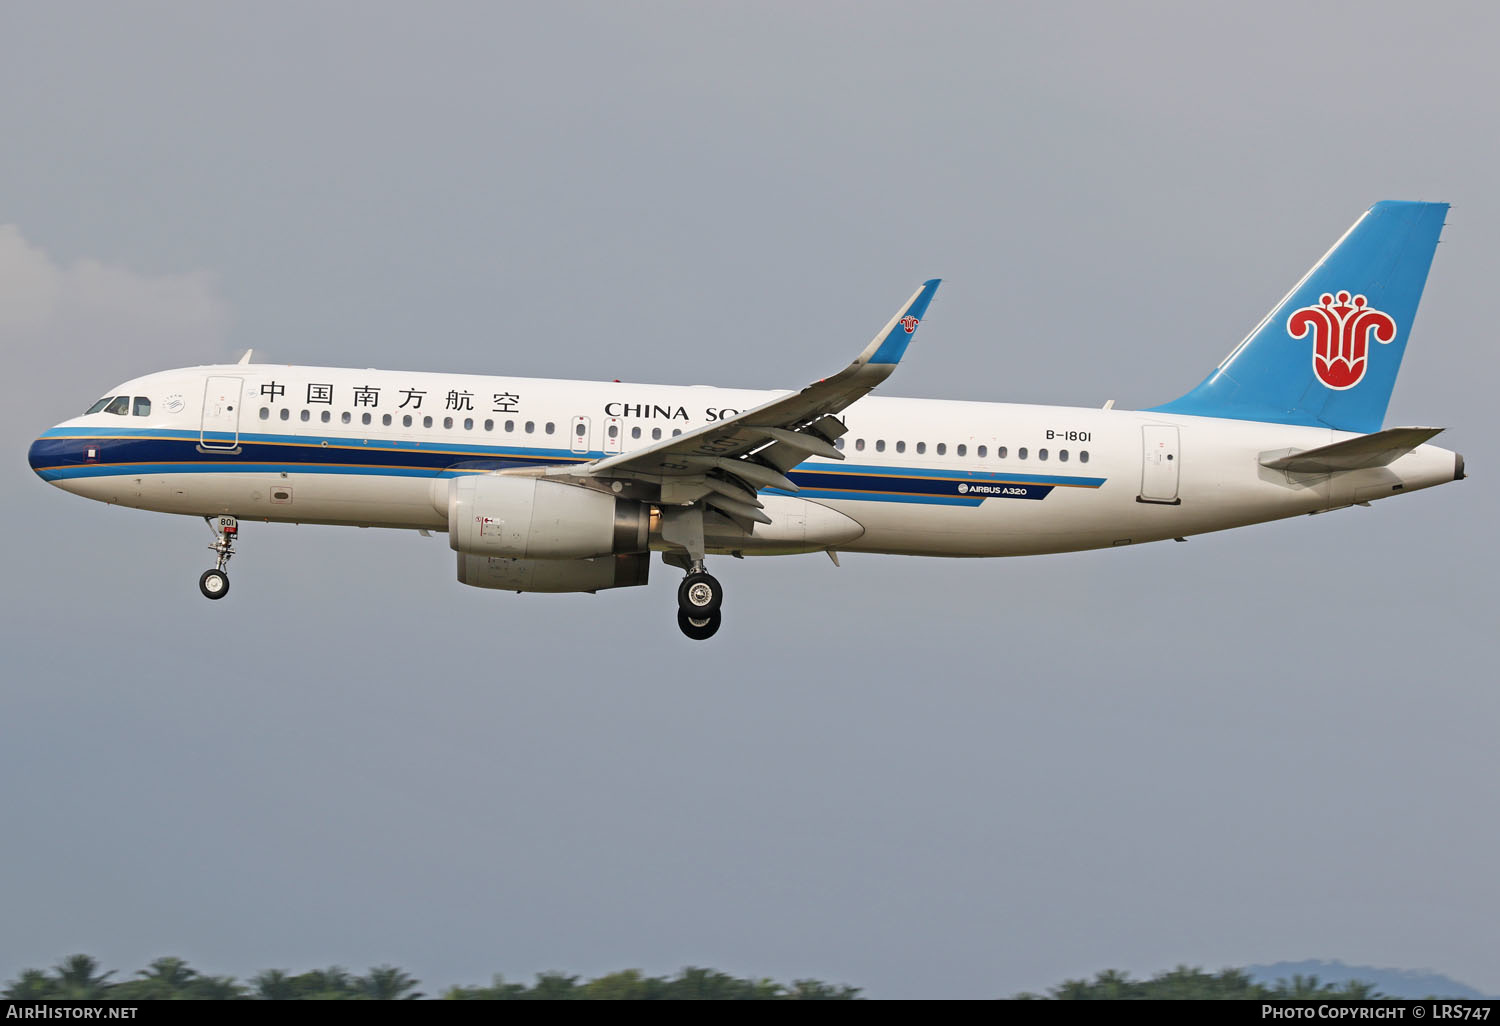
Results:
<point x="246" y="357"/>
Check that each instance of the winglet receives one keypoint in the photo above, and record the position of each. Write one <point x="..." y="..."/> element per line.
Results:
<point x="890" y="345"/>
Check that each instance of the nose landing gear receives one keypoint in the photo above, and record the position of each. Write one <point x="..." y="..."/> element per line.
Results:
<point x="215" y="583"/>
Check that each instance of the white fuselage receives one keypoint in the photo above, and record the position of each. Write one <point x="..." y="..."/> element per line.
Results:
<point x="920" y="477"/>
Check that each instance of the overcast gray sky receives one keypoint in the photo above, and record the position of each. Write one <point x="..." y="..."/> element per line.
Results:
<point x="922" y="777"/>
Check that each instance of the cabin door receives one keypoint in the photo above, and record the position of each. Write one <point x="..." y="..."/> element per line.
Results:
<point x="221" y="413"/>
<point x="1160" y="464"/>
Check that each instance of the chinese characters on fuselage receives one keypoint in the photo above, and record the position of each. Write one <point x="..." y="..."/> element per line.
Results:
<point x="373" y="396"/>
<point x="370" y="395"/>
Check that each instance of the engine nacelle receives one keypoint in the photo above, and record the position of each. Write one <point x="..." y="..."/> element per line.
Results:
<point x="530" y="518"/>
<point x="554" y="575"/>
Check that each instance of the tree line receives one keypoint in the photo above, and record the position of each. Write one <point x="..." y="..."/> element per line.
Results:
<point x="1188" y="984"/>
<point x="77" y="978"/>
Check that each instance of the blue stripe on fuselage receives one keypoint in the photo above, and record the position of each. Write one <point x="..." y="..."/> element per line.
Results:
<point x="86" y="453"/>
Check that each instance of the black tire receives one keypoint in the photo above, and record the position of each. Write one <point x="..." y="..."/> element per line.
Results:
<point x="700" y="595"/>
<point x="214" y="584"/>
<point x="699" y="628"/>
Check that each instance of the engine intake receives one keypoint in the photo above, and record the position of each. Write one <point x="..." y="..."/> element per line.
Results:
<point x="530" y="518"/>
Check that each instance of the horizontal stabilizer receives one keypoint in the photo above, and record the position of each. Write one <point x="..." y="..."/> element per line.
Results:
<point x="1377" y="450"/>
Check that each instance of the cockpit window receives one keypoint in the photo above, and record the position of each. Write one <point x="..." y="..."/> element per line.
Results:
<point x="119" y="404"/>
<point x="101" y="404"/>
<point x="142" y="406"/>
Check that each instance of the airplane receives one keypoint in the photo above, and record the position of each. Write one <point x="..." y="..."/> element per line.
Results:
<point x="569" y="486"/>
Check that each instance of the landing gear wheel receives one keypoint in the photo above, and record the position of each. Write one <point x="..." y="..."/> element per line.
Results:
<point x="699" y="596"/>
<point x="214" y="584"/>
<point x="699" y="628"/>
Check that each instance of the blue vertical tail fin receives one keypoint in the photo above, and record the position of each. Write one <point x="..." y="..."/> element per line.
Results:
<point x="1328" y="353"/>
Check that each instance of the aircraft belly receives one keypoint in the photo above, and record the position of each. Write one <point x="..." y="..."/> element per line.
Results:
<point x="1070" y="520"/>
<point x="294" y="498"/>
<point x="994" y="527"/>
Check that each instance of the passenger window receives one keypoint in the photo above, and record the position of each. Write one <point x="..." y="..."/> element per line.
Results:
<point x="531" y="427"/>
<point x="119" y="404"/>
<point x="306" y="416"/>
<point x="364" y="418"/>
<point x="385" y="419"/>
<point x="489" y="425"/>
<point x="581" y="429"/>
<point x="859" y="445"/>
<point x="614" y="430"/>
<point x="635" y="432"/>
<point x="468" y="423"/>
<point x="345" y="417"/>
<point x="655" y="434"/>
<point x="447" y="422"/>
<point x="142" y="406"/>
<point x="921" y="448"/>
<point x="1001" y="453"/>
<point x="1021" y="453"/>
<point x="326" y="417"/>
<point x="880" y="445"/>
<point x="676" y="432"/>
<point x="551" y="427"/>
<point x="838" y="443"/>
<point x="265" y="414"/>
<point x="1062" y="455"/>
<point x="101" y="404"/>
<point x="510" y="426"/>
<point x="286" y="414"/>
<point x="900" y="446"/>
<point x="982" y="452"/>
<point x="963" y="450"/>
<point x="1083" y="457"/>
<point x="942" y="448"/>
<point x="1041" y="454"/>
<point x="427" y="422"/>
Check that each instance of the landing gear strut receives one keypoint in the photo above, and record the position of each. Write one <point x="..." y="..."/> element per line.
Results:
<point x="699" y="597"/>
<point x="215" y="583"/>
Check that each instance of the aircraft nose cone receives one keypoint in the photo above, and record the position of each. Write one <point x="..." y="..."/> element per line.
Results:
<point x="41" y="455"/>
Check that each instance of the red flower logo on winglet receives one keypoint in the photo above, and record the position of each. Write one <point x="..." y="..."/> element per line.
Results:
<point x="1341" y="336"/>
<point x="910" y="324"/>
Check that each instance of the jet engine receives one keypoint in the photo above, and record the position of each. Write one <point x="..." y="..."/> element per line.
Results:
<point x="627" y="571"/>
<point x="531" y="518"/>
<point x="529" y="534"/>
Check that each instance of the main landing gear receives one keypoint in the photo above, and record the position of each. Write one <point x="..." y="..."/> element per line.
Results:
<point x="699" y="597"/>
<point x="215" y="583"/>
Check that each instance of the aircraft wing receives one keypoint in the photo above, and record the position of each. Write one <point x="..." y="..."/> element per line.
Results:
<point x="724" y="464"/>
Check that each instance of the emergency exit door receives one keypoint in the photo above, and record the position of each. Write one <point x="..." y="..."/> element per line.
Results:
<point x="1160" y="464"/>
<point x="220" y="428"/>
<point x="580" y="435"/>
